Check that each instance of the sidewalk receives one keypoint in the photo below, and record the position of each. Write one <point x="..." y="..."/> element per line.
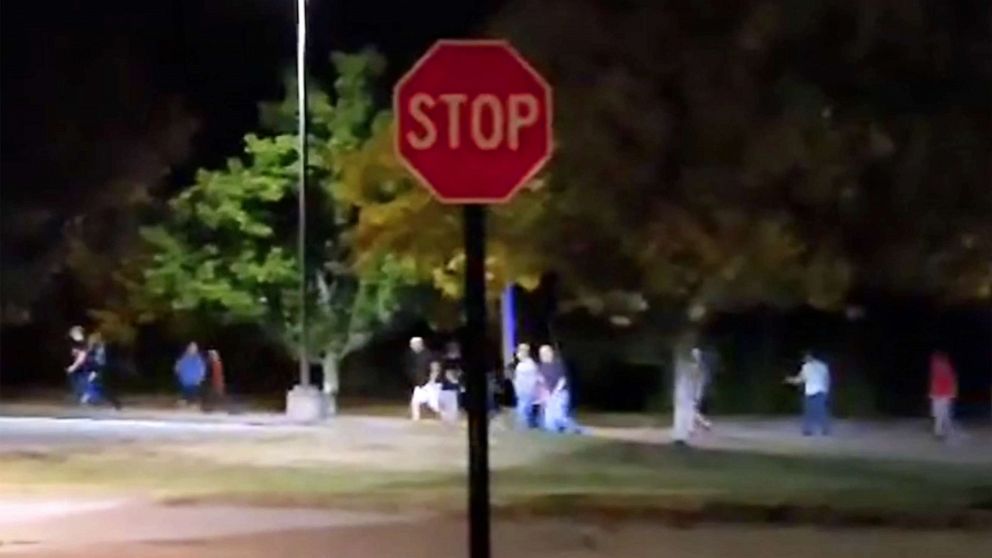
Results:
<point x="142" y="413"/>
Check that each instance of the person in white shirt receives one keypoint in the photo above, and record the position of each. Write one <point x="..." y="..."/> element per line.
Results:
<point x="703" y="382"/>
<point x="526" y="387"/>
<point x="685" y="391"/>
<point x="814" y="376"/>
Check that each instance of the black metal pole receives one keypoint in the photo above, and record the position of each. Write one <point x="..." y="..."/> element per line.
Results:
<point x="476" y="383"/>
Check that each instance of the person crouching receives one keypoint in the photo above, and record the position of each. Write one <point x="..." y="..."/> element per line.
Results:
<point x="450" y="386"/>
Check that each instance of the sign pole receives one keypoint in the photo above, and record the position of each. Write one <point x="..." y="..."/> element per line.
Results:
<point x="474" y="108"/>
<point x="477" y="384"/>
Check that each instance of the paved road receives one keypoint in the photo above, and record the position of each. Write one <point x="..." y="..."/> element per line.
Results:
<point x="43" y="526"/>
<point x="138" y="529"/>
<point x="891" y="439"/>
<point x="74" y="528"/>
<point x="901" y="439"/>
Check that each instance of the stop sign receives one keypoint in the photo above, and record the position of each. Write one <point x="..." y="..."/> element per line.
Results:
<point x="473" y="121"/>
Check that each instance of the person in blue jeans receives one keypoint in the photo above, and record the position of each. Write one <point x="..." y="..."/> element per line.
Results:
<point x="526" y="387"/>
<point x="814" y="376"/>
<point x="190" y="371"/>
<point x="557" y="415"/>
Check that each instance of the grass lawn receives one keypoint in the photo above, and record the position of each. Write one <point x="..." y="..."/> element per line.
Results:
<point x="531" y="474"/>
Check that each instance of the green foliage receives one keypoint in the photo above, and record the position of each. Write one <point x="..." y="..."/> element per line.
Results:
<point x="701" y="166"/>
<point x="630" y="213"/>
<point x="227" y="248"/>
<point x="717" y="170"/>
<point x="398" y="217"/>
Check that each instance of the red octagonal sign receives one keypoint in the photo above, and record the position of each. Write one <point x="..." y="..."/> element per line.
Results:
<point x="473" y="121"/>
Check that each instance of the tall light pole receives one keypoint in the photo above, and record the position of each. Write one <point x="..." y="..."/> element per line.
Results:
<point x="304" y="402"/>
<point x="301" y="86"/>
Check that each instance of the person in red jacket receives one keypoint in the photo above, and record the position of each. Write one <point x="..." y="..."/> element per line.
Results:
<point x="943" y="391"/>
<point x="218" y="387"/>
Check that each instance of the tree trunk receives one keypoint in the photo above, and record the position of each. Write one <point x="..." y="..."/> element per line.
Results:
<point x="330" y="367"/>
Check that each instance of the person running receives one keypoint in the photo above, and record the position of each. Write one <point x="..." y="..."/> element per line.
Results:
<point x="75" y="370"/>
<point x="526" y="387"/>
<point x="190" y="370"/>
<point x="943" y="392"/>
<point x="814" y="376"/>
<point x="556" y="416"/>
<point x="97" y="387"/>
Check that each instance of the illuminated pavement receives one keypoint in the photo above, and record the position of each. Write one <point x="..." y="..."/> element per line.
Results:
<point x="37" y="526"/>
<point x="898" y="439"/>
<point x="40" y="433"/>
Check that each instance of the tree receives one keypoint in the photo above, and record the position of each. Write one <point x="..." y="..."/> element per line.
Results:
<point x="625" y="213"/>
<point x="398" y="216"/>
<point x="717" y="156"/>
<point x="226" y="247"/>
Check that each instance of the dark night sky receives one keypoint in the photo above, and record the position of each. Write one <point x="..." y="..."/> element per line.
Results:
<point x="105" y="70"/>
<point x="102" y="100"/>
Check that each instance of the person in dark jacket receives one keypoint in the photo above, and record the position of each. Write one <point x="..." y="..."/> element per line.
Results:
<point x="75" y="371"/>
<point x="421" y="372"/>
<point x="99" y="387"/>
<point x="418" y="362"/>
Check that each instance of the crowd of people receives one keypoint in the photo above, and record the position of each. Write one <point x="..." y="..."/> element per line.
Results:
<point x="192" y="370"/>
<point x="91" y="383"/>
<point x="693" y="376"/>
<point x="538" y="391"/>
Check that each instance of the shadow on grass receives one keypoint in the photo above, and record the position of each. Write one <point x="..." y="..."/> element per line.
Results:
<point x="607" y="482"/>
<point x="628" y="480"/>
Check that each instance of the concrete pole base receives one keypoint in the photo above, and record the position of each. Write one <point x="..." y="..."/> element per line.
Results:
<point x="307" y="404"/>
